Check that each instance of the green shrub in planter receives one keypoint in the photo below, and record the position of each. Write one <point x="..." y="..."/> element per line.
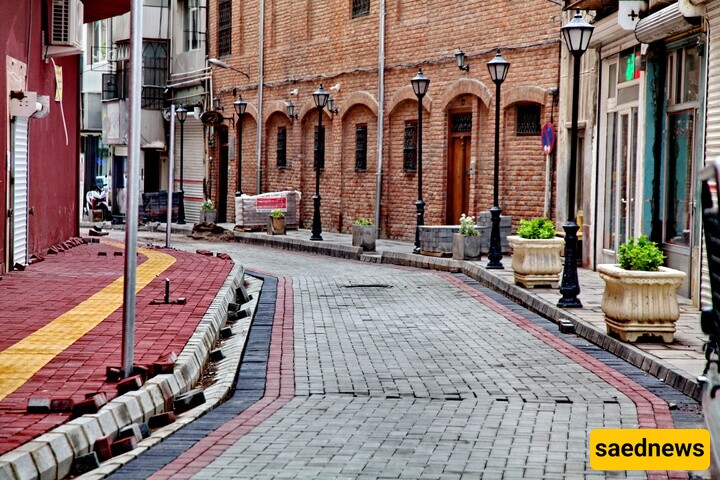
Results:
<point x="467" y="226"/>
<point x="537" y="229"/>
<point x="277" y="213"/>
<point x="641" y="255"/>
<point x="365" y="222"/>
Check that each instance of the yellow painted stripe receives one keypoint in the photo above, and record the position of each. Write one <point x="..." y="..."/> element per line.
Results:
<point x="21" y="361"/>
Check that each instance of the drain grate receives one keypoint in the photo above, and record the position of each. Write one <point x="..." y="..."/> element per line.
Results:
<point x="368" y="285"/>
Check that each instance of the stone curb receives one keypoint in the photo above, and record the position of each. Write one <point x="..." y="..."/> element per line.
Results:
<point x="299" y="245"/>
<point x="679" y="380"/>
<point x="51" y="455"/>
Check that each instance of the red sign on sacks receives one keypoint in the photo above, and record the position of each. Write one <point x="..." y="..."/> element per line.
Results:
<point x="268" y="204"/>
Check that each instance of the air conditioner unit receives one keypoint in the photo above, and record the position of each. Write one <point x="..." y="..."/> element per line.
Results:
<point x="66" y="22"/>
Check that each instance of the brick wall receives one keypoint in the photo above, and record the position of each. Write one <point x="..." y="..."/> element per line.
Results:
<point x="308" y="42"/>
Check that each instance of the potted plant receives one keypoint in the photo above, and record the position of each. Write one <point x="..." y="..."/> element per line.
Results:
<point x="640" y="295"/>
<point x="364" y="234"/>
<point x="208" y="214"/>
<point x="276" y="224"/>
<point x="467" y="245"/>
<point x="536" y="254"/>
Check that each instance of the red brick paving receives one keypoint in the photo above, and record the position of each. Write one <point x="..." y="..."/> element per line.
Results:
<point x="44" y="291"/>
<point x="279" y="390"/>
<point x="652" y="411"/>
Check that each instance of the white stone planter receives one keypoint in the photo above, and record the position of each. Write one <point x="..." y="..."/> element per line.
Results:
<point x="536" y="262"/>
<point x="208" y="216"/>
<point x="467" y="247"/>
<point x="640" y="303"/>
<point x="364" y="236"/>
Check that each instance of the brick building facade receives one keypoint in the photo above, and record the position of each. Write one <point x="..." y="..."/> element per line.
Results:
<point x="303" y="44"/>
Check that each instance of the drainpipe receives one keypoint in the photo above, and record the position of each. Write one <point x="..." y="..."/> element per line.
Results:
<point x="381" y="112"/>
<point x="261" y="44"/>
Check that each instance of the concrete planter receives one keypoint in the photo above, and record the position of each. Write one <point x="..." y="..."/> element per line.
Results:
<point x="276" y="226"/>
<point x="208" y="216"/>
<point x="364" y="236"/>
<point x="640" y="303"/>
<point x="467" y="247"/>
<point x="536" y="262"/>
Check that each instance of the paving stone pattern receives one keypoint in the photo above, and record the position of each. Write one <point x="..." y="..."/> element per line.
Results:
<point x="399" y="373"/>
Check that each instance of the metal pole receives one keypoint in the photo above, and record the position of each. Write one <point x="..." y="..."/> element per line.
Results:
<point x="570" y="286"/>
<point x="131" y="217"/>
<point x="181" y="206"/>
<point x="171" y="176"/>
<point x="239" y="172"/>
<point x="317" y="221"/>
<point x="419" y="204"/>
<point x="495" y="250"/>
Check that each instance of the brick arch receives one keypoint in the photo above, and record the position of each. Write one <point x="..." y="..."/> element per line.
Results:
<point x="278" y="106"/>
<point x="407" y="93"/>
<point x="359" y="98"/>
<point x="523" y="94"/>
<point x="306" y="108"/>
<point x="466" y="86"/>
<point x="250" y="110"/>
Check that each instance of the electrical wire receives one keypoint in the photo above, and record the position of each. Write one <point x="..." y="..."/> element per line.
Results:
<point x="62" y="110"/>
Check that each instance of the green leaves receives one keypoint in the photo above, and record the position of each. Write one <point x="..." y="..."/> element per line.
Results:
<point x="277" y="213"/>
<point x="537" y="229"/>
<point x="642" y="255"/>
<point x="467" y="226"/>
<point x="365" y="222"/>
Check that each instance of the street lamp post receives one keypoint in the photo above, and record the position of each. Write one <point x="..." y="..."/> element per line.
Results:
<point x="498" y="68"/>
<point x="320" y="96"/>
<point x="181" y="113"/>
<point x="577" y="35"/>
<point x="240" y="107"/>
<point x="420" y="84"/>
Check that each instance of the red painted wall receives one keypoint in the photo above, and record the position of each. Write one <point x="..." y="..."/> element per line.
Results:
<point x="53" y="163"/>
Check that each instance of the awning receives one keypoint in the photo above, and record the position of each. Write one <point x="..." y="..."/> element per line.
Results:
<point x="99" y="9"/>
<point x="664" y="23"/>
<point x="589" y="4"/>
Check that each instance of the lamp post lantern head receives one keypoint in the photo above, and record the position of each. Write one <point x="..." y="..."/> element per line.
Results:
<point x="181" y="114"/>
<point x="577" y="34"/>
<point x="240" y="105"/>
<point x="291" y="110"/>
<point x="460" y="58"/>
<point x="320" y="96"/>
<point x="498" y="68"/>
<point x="420" y="84"/>
<point x="216" y="103"/>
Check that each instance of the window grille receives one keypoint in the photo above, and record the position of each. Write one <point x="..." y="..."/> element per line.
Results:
<point x="410" y="147"/>
<point x="110" y="86"/>
<point x="360" y="8"/>
<point x="528" y="119"/>
<point x="361" y="148"/>
<point x="462" y="122"/>
<point x="155" y="71"/>
<point x="319" y="149"/>
<point x="281" y="147"/>
<point x="224" y="27"/>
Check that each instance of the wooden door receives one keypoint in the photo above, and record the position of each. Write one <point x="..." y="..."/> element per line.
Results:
<point x="458" y="179"/>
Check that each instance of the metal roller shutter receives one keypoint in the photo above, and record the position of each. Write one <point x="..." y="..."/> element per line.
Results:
<point x="20" y="191"/>
<point x="712" y="135"/>
<point x="193" y="165"/>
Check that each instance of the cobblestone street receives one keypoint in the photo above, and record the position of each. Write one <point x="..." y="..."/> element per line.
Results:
<point x="406" y="373"/>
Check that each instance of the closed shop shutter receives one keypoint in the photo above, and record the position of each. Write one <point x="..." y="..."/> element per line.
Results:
<point x="193" y="165"/>
<point x="20" y="191"/>
<point x="712" y="136"/>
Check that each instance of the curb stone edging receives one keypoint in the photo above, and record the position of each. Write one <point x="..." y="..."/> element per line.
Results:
<point x="680" y="381"/>
<point x="25" y="463"/>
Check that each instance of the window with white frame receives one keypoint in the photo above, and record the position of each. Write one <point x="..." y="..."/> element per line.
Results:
<point x="193" y="24"/>
<point x="100" y="42"/>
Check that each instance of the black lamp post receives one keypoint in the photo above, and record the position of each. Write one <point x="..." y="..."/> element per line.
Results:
<point x="320" y="96"/>
<point x="181" y="114"/>
<point x="498" y="68"/>
<point x="240" y="107"/>
<point x="420" y="84"/>
<point x="577" y="35"/>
